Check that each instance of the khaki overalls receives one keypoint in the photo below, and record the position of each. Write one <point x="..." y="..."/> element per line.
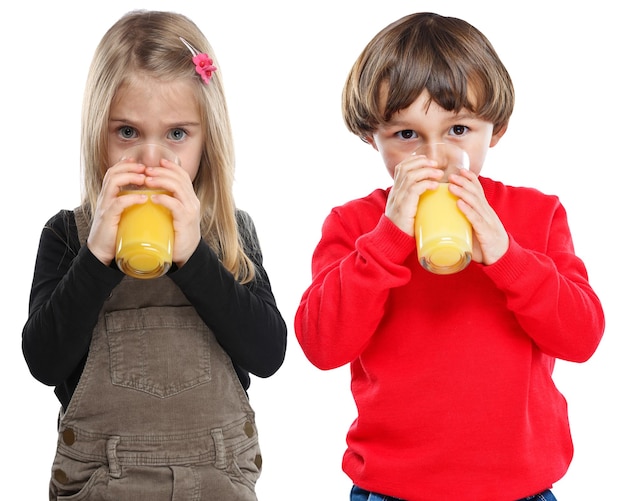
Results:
<point x="159" y="413"/>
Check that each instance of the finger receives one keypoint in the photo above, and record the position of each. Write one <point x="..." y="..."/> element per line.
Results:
<point x="123" y="173"/>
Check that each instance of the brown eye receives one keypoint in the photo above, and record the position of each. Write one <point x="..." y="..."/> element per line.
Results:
<point x="459" y="130"/>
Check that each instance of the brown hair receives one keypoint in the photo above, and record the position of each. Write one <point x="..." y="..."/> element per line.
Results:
<point x="148" y="42"/>
<point x="449" y="58"/>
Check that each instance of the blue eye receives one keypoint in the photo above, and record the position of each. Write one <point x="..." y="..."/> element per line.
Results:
<point x="177" y="134"/>
<point x="127" y="132"/>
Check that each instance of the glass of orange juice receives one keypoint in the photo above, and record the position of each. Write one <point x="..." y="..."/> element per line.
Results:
<point x="442" y="232"/>
<point x="145" y="234"/>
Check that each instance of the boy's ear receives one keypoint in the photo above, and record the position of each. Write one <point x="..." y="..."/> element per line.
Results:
<point x="498" y="135"/>
<point x="370" y="141"/>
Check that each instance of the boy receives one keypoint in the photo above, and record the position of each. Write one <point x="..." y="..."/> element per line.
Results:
<point x="451" y="374"/>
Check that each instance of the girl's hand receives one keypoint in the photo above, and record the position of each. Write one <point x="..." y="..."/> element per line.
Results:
<point x="491" y="240"/>
<point x="183" y="203"/>
<point x="412" y="177"/>
<point x="109" y="207"/>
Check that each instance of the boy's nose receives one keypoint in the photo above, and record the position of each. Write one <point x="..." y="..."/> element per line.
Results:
<point x="433" y="149"/>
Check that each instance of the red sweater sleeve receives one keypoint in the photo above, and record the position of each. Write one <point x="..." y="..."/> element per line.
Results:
<point x="353" y="271"/>
<point x="549" y="292"/>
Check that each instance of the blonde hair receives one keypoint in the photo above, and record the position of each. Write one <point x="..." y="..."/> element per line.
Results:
<point x="449" y="58"/>
<point x="148" y="42"/>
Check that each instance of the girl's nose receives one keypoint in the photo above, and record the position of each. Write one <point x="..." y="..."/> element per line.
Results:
<point x="150" y="154"/>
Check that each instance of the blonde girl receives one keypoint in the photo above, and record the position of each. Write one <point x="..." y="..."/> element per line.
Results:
<point x="152" y="375"/>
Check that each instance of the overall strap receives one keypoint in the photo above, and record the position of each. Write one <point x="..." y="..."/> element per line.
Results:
<point x="82" y="223"/>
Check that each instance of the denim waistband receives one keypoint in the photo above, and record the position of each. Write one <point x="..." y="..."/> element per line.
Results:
<point x="542" y="496"/>
<point x="358" y="492"/>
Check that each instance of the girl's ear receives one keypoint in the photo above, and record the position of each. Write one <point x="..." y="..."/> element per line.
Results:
<point x="498" y="135"/>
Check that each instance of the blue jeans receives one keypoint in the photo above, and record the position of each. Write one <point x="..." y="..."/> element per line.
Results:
<point x="358" y="494"/>
<point x="542" y="496"/>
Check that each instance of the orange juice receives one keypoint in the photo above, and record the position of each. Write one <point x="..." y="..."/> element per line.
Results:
<point x="145" y="237"/>
<point x="442" y="232"/>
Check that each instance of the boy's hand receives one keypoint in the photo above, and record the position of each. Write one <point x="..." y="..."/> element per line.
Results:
<point x="412" y="177"/>
<point x="491" y="240"/>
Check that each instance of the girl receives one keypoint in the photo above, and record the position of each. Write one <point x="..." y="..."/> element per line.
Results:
<point x="152" y="374"/>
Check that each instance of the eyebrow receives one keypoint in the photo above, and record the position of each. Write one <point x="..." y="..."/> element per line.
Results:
<point x="172" y="124"/>
<point x="460" y="116"/>
<point x="465" y="116"/>
<point x="185" y="124"/>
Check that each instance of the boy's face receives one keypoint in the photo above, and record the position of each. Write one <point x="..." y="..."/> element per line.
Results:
<point x="419" y="124"/>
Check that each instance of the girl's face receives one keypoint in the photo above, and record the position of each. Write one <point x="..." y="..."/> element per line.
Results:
<point x="148" y="110"/>
<point x="419" y="124"/>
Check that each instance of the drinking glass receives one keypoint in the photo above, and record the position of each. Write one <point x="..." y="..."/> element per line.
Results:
<point x="442" y="232"/>
<point x="145" y="235"/>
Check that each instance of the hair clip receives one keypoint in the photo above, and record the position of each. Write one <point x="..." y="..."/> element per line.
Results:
<point x="204" y="64"/>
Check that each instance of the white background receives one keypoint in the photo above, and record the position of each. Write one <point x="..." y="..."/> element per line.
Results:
<point x="284" y="64"/>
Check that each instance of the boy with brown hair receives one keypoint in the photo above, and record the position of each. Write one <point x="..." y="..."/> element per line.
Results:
<point x="451" y="374"/>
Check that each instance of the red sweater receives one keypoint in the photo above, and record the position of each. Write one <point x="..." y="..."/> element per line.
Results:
<point x="452" y="374"/>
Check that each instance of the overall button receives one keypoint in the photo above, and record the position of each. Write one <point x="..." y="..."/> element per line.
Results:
<point x="68" y="436"/>
<point x="248" y="429"/>
<point x="258" y="461"/>
<point x="61" y="477"/>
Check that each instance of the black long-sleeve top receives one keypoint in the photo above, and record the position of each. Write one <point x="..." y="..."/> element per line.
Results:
<point x="70" y="286"/>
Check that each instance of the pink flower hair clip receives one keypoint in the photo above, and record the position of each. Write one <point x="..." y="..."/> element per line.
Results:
<point x="204" y="64"/>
